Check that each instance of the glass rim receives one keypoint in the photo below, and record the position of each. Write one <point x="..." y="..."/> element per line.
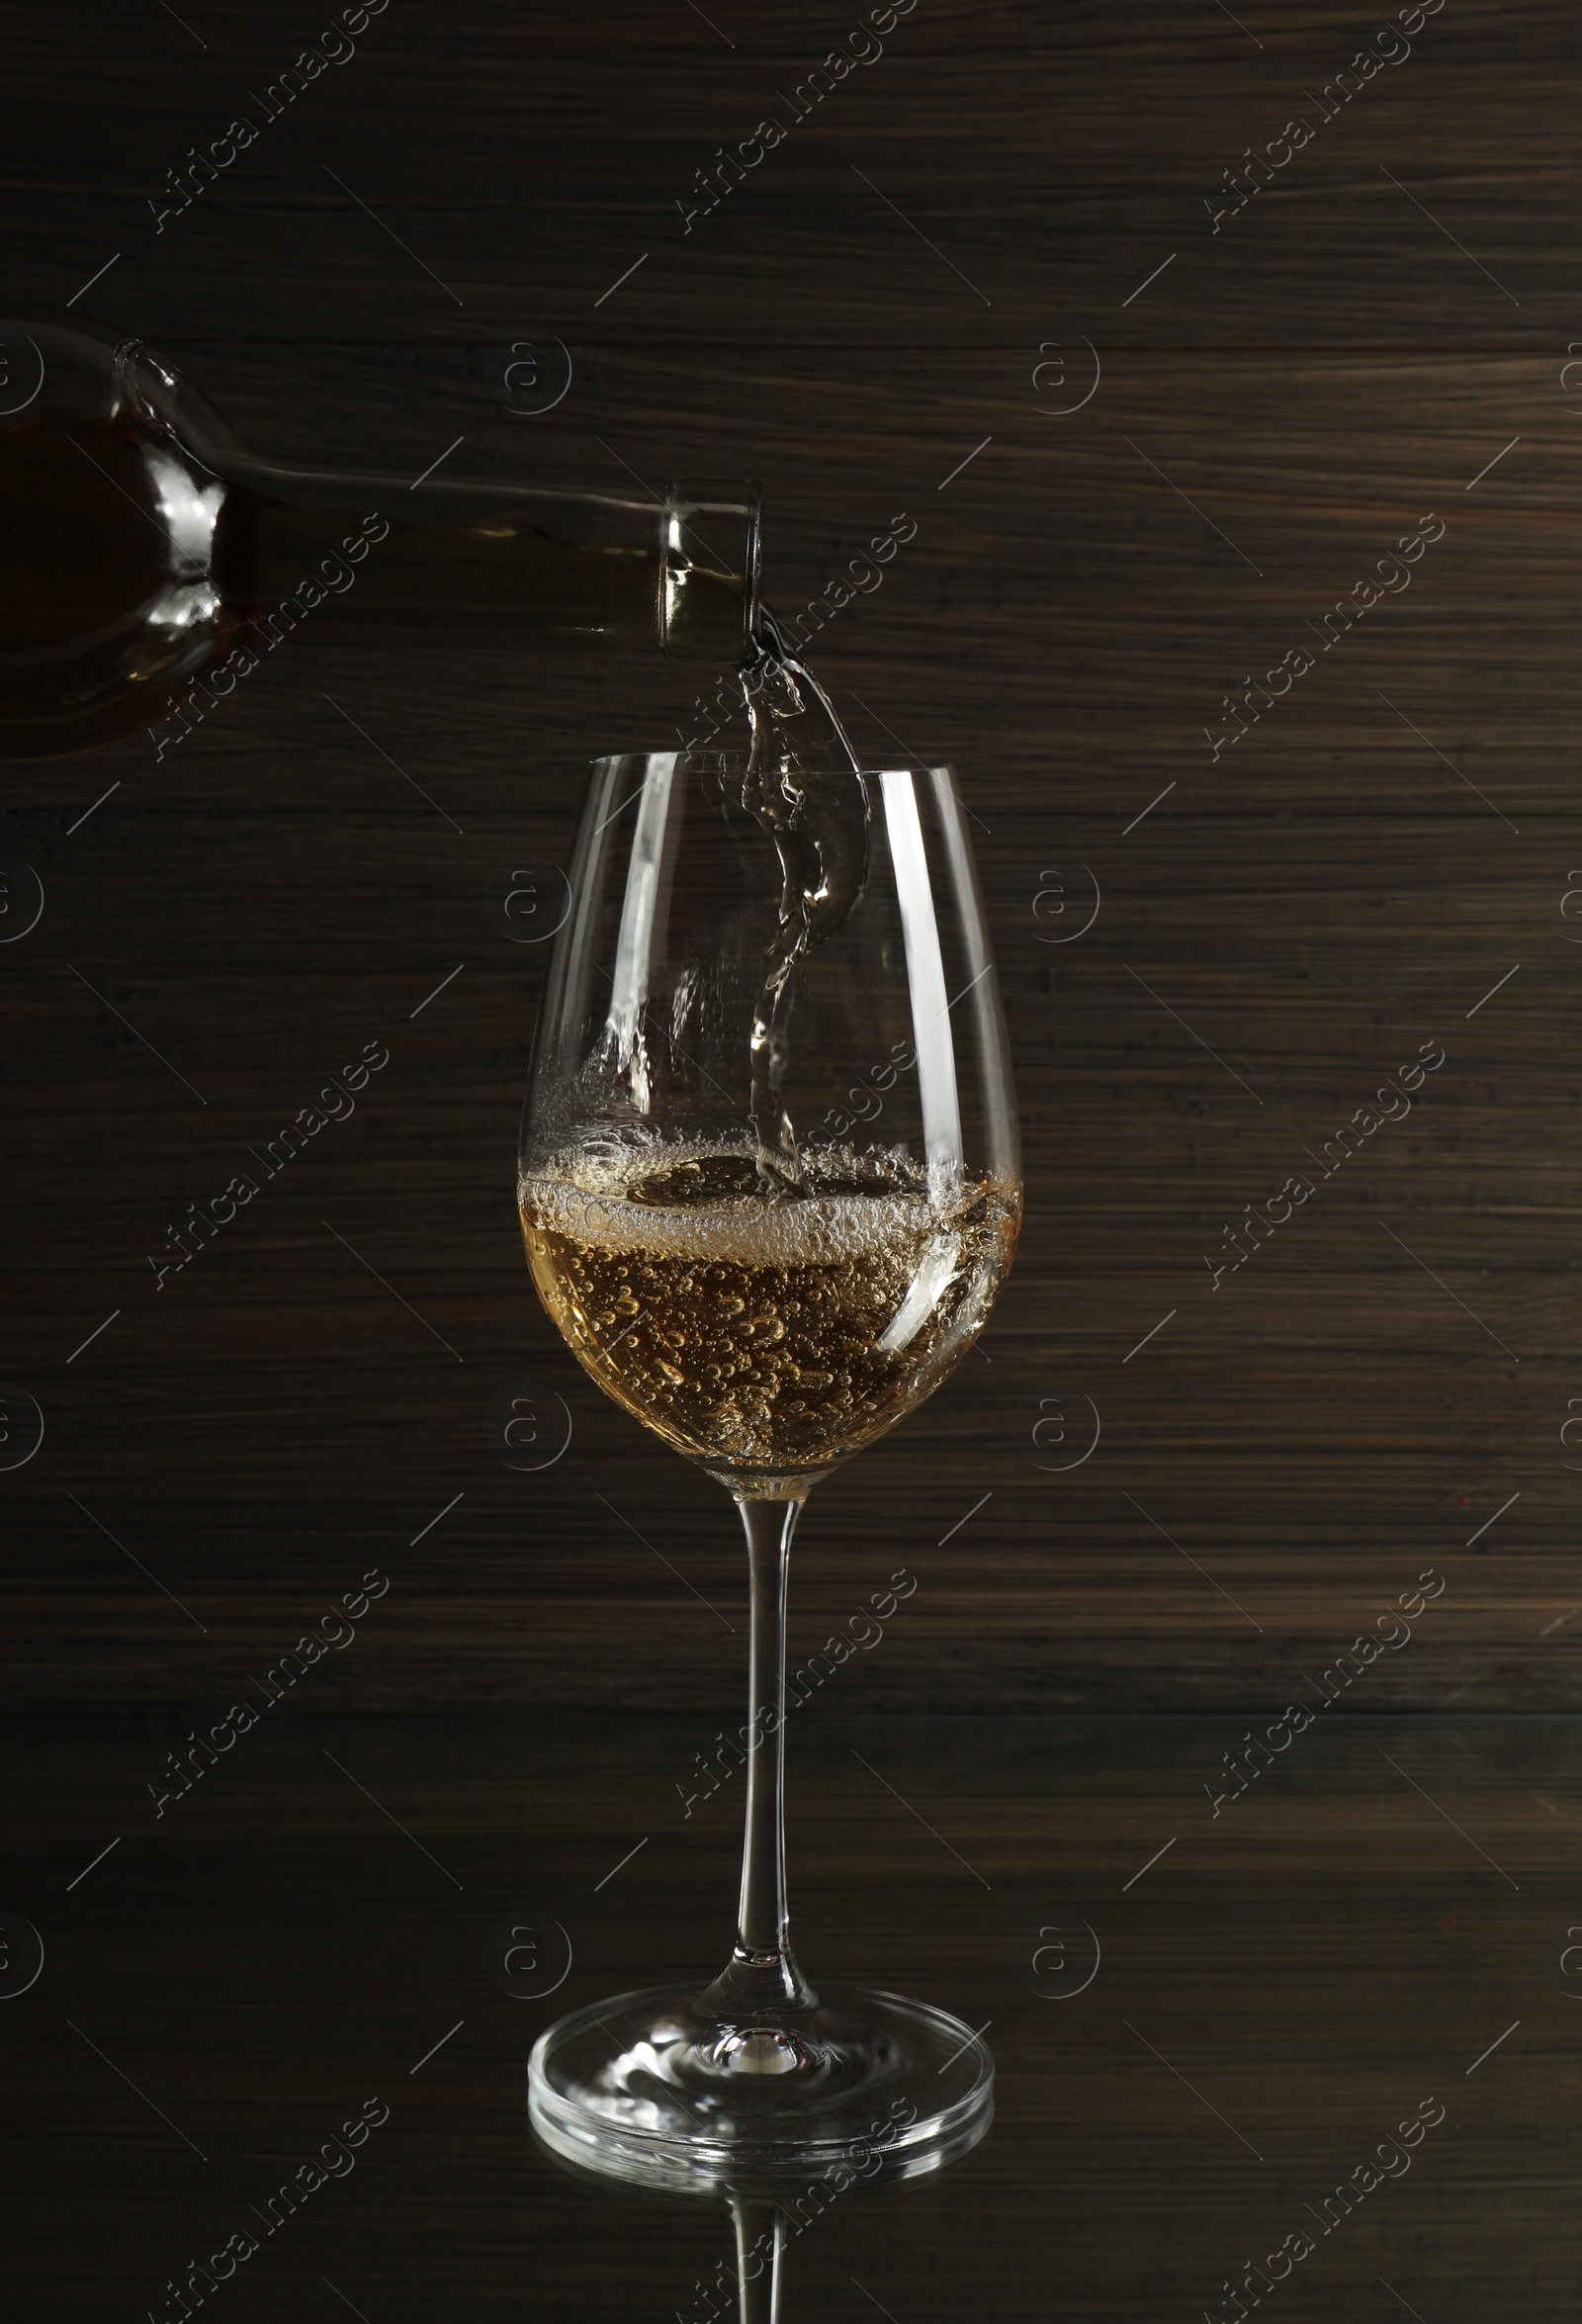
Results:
<point x="736" y="761"/>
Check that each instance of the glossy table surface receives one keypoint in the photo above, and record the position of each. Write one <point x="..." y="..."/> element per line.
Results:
<point x="1356" y="1973"/>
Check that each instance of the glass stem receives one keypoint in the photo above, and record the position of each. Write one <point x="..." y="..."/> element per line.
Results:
<point x="764" y="1975"/>
<point x="759" y="2242"/>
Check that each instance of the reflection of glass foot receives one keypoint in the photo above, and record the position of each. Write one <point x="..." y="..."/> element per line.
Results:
<point x="657" y="2088"/>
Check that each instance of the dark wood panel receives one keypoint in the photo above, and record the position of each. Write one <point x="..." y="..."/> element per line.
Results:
<point x="1284" y="403"/>
<point x="1054" y="157"/>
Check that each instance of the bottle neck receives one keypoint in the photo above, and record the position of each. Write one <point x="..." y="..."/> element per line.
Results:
<point x="464" y="560"/>
<point x="447" y="561"/>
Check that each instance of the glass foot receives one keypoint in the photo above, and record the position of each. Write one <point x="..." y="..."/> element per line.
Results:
<point x="660" y="2088"/>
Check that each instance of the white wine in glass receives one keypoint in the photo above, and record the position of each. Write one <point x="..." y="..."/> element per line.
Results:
<point x="769" y="1218"/>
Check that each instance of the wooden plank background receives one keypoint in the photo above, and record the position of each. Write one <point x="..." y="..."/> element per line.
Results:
<point x="1380" y="336"/>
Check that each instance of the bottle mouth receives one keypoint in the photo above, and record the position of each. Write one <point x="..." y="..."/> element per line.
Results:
<point x="708" y="583"/>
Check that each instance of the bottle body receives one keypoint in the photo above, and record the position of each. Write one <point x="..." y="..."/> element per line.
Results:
<point x="143" y="548"/>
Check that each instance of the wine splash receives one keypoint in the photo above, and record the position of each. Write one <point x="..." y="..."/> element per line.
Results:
<point x="804" y="785"/>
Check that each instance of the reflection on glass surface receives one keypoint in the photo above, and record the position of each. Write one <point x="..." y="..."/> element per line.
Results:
<point x="767" y="2214"/>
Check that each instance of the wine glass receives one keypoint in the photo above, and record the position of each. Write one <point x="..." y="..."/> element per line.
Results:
<point x="767" y="1315"/>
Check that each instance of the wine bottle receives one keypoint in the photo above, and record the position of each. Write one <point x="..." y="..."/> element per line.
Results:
<point x="144" y="550"/>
